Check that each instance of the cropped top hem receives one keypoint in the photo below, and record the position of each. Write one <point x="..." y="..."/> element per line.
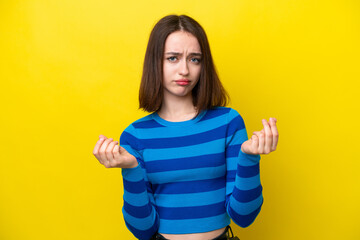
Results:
<point x="194" y="225"/>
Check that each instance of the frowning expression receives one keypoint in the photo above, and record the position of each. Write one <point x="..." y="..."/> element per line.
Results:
<point x="182" y="64"/>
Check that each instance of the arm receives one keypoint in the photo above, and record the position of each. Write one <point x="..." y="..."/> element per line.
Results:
<point x="243" y="188"/>
<point x="139" y="210"/>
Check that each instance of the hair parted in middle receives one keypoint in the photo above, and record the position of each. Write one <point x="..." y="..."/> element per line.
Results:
<point x="207" y="93"/>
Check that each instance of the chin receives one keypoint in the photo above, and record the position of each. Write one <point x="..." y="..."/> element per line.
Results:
<point x="180" y="93"/>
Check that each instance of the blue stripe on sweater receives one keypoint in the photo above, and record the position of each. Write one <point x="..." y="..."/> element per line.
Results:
<point x="138" y="211"/>
<point x="175" y="142"/>
<point x="248" y="207"/>
<point x="237" y="138"/>
<point x="243" y="220"/>
<point x="142" y="223"/>
<point x="148" y="124"/>
<point x="136" y="199"/>
<point x="188" y="151"/>
<point x="128" y="138"/>
<point x="235" y="124"/>
<point x="134" y="187"/>
<point x="249" y="171"/>
<point x="133" y="174"/>
<point x="192" y="225"/>
<point x="248" y="183"/>
<point x="144" y="234"/>
<point x="246" y="195"/>
<point x="233" y="150"/>
<point x="192" y="212"/>
<point x="188" y="174"/>
<point x="213" y="113"/>
<point x="190" y="186"/>
<point x="231" y="164"/>
<point x="230" y="175"/>
<point x="208" y="160"/>
<point x="190" y="199"/>
<point x="161" y="132"/>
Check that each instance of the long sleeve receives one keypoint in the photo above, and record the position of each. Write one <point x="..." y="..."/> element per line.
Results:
<point x="139" y="209"/>
<point x="243" y="188"/>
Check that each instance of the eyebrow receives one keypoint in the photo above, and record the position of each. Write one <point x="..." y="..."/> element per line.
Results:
<point x="176" y="53"/>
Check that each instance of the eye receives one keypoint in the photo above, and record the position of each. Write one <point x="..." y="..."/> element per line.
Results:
<point x="171" y="59"/>
<point x="196" y="60"/>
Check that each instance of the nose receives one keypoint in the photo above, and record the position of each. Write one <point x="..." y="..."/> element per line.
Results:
<point x="183" y="68"/>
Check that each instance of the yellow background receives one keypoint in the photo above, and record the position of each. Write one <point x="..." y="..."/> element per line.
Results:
<point x="70" y="71"/>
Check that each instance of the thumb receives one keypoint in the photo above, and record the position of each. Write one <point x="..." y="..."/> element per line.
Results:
<point x="255" y="141"/>
<point x="122" y="150"/>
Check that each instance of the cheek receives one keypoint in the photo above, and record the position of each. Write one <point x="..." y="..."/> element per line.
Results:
<point x="197" y="71"/>
<point x="168" y="69"/>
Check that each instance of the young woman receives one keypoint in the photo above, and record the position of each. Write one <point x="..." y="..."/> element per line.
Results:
<point x="188" y="167"/>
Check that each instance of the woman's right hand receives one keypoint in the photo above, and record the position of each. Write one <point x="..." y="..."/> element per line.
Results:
<point x="111" y="155"/>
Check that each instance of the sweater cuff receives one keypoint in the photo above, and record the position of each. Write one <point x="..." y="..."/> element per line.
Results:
<point x="248" y="158"/>
<point x="133" y="174"/>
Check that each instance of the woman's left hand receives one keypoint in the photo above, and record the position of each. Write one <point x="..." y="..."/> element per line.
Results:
<point x="264" y="141"/>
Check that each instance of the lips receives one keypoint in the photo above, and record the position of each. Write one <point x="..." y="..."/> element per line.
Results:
<point x="183" y="81"/>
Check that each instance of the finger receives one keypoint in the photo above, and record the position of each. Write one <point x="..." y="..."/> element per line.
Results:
<point x="122" y="150"/>
<point x="255" y="144"/>
<point x="103" y="149"/>
<point x="268" y="137"/>
<point x="116" y="152"/>
<point x="274" y="133"/>
<point x="109" y="153"/>
<point x="96" y="150"/>
<point x="257" y="132"/>
<point x="102" y="136"/>
<point x="261" y="142"/>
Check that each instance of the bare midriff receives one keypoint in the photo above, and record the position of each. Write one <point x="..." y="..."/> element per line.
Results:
<point x="195" y="236"/>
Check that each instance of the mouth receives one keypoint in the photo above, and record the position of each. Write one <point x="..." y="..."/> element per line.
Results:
<point x="183" y="82"/>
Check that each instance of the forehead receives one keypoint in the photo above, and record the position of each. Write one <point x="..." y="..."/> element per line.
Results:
<point x="182" y="41"/>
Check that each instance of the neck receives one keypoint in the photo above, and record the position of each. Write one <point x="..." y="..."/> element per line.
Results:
<point x="177" y="108"/>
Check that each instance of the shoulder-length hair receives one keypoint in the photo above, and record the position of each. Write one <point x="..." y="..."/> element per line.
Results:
<point x="207" y="93"/>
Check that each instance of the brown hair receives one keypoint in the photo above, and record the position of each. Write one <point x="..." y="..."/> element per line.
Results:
<point x="207" y="93"/>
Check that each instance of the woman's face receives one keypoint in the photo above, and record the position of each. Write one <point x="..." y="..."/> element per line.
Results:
<point x="182" y="64"/>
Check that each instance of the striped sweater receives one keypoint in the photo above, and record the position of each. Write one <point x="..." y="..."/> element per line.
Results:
<point x="192" y="176"/>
